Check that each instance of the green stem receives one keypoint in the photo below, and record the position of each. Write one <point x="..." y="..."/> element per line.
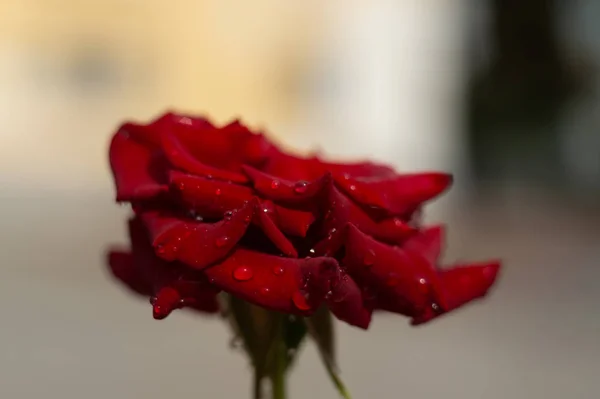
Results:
<point x="279" y="360"/>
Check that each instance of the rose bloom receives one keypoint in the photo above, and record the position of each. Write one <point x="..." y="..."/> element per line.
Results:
<point x="224" y="209"/>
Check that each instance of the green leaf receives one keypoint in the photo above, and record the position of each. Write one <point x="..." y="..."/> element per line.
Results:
<point x="254" y="325"/>
<point x="320" y="327"/>
<point x="294" y="333"/>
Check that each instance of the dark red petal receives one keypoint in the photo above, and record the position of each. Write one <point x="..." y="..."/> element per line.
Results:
<point x="283" y="284"/>
<point x="122" y="266"/>
<point x="344" y="211"/>
<point x="170" y="284"/>
<point x="404" y="283"/>
<point x="397" y="196"/>
<point x="346" y="302"/>
<point x="359" y="170"/>
<point x="138" y="172"/>
<point x="208" y="197"/>
<point x="179" y="156"/>
<point x="285" y="191"/>
<point x="268" y="226"/>
<point x="392" y="230"/>
<point x="293" y="168"/>
<point x="427" y="243"/>
<point x="461" y="285"/>
<point x="195" y="243"/>
<point x="292" y="221"/>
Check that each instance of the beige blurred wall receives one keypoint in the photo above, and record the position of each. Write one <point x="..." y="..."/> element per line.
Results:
<point x="224" y="58"/>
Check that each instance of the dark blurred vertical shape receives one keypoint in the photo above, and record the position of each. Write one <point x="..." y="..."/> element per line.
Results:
<point x="515" y="101"/>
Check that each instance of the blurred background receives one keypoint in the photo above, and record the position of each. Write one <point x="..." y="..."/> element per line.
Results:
<point x="502" y="93"/>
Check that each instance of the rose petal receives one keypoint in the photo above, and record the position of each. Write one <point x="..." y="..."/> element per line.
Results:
<point x="461" y="285"/>
<point x="138" y="170"/>
<point x="400" y="195"/>
<point x="194" y="243"/>
<point x="208" y="197"/>
<point x="285" y="191"/>
<point x="293" y="221"/>
<point x="282" y="284"/>
<point x="180" y="157"/>
<point x="346" y="302"/>
<point x="428" y="243"/>
<point x="404" y="284"/>
<point x="122" y="266"/>
<point x="268" y="226"/>
<point x="170" y="284"/>
<point x="344" y="211"/>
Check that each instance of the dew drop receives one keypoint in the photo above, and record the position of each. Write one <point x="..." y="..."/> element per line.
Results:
<point x="265" y="291"/>
<point x="227" y="215"/>
<point x="221" y="241"/>
<point x="242" y="273"/>
<point x="181" y="185"/>
<point x="329" y="295"/>
<point x="247" y="219"/>
<point x="274" y="184"/>
<point x="300" y="187"/>
<point x="218" y="191"/>
<point x="311" y="251"/>
<point x="369" y="258"/>
<point x="435" y="307"/>
<point x="209" y="177"/>
<point x="346" y="176"/>
<point x="278" y="270"/>
<point x="352" y="187"/>
<point x="422" y="281"/>
<point x="299" y="299"/>
<point x="212" y="280"/>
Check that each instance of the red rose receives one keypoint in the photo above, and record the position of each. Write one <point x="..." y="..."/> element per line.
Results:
<point x="223" y="208"/>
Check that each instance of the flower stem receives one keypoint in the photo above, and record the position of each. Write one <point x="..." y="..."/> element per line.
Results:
<point x="279" y="360"/>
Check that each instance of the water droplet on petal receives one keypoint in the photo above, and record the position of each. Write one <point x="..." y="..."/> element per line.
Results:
<point x="212" y="280"/>
<point x="328" y="295"/>
<point x="181" y="185"/>
<point x="227" y="215"/>
<point x="221" y="241"/>
<point x="435" y="307"/>
<point x="274" y="184"/>
<point x="242" y="273"/>
<point x="265" y="291"/>
<point x="247" y="219"/>
<point x="346" y="176"/>
<point x="301" y="187"/>
<point x="278" y="270"/>
<point x="209" y="177"/>
<point x="218" y="191"/>
<point x="369" y="258"/>
<point x="299" y="299"/>
<point x="352" y="187"/>
<point x="422" y="281"/>
<point x="311" y="251"/>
